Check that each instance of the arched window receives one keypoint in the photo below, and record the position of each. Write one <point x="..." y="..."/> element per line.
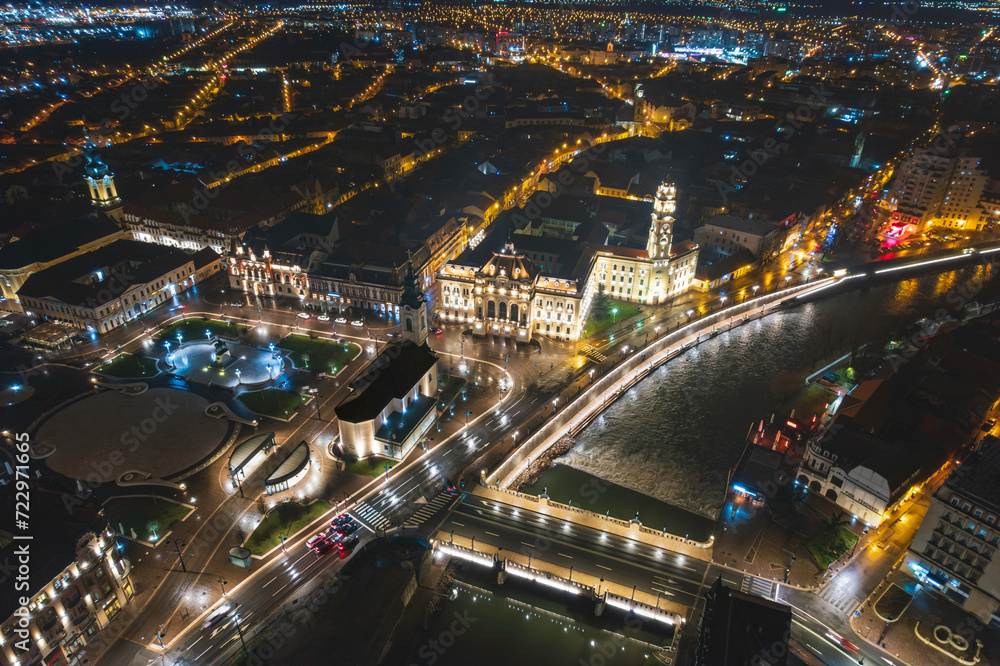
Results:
<point x="491" y="310"/>
<point x="514" y="312"/>
<point x="503" y="310"/>
<point x="409" y="325"/>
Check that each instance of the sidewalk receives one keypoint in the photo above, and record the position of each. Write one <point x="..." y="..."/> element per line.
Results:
<point x="757" y="545"/>
<point x="929" y="610"/>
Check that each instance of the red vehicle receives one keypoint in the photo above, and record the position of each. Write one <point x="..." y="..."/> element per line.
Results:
<point x="315" y="540"/>
<point x="845" y="644"/>
<point x="325" y="546"/>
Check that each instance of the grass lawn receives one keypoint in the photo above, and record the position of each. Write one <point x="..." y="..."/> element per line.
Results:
<point x="136" y="513"/>
<point x="272" y="402"/>
<point x="893" y="602"/>
<point x="129" y="365"/>
<point x="450" y="388"/>
<point x="283" y="520"/>
<point x="194" y="329"/>
<point x="828" y="546"/>
<point x="598" y="321"/>
<point x="319" y="355"/>
<point x="372" y="466"/>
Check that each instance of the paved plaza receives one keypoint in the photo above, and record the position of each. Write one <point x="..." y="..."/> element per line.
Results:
<point x="245" y="364"/>
<point x="160" y="432"/>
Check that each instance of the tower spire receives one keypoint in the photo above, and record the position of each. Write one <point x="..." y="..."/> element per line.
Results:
<point x="413" y="306"/>
<point x="661" y="230"/>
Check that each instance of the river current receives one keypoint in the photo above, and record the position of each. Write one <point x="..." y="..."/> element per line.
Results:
<point x="676" y="435"/>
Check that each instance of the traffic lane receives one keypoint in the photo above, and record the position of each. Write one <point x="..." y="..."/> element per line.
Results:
<point x="394" y="499"/>
<point x="667" y="576"/>
<point x="813" y="634"/>
<point x="598" y="565"/>
<point x="676" y="564"/>
<point x="262" y="598"/>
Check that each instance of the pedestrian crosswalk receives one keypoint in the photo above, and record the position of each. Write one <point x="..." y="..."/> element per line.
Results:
<point x="835" y="595"/>
<point x="429" y="509"/>
<point x="593" y="354"/>
<point x="758" y="586"/>
<point x="370" y="517"/>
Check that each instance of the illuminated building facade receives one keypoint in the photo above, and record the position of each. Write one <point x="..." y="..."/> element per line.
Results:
<point x="68" y="611"/>
<point x="955" y="550"/>
<point x="506" y="294"/>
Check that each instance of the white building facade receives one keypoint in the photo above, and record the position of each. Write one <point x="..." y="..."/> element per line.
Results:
<point x="508" y="296"/>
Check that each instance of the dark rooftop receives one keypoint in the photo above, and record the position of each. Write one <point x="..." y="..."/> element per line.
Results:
<point x="44" y="244"/>
<point x="396" y="371"/>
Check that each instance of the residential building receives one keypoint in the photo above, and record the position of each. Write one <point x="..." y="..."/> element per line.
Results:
<point x="713" y="273"/>
<point x="66" y="613"/>
<point x="47" y="246"/>
<point x="108" y="287"/>
<point x="726" y="235"/>
<point x="954" y="551"/>
<point x="176" y="230"/>
<point x="931" y="189"/>
<point x="867" y="476"/>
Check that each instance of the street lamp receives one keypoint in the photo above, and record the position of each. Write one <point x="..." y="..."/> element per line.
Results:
<point x="614" y="311"/>
<point x="236" y="621"/>
<point x="755" y="288"/>
<point x="591" y="375"/>
<point x="179" y="545"/>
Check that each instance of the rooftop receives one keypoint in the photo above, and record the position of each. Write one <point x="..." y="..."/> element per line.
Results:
<point x="746" y="225"/>
<point x="394" y="373"/>
<point x="45" y="244"/>
<point x="979" y="476"/>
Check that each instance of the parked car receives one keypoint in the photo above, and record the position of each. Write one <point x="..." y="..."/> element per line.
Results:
<point x="986" y="427"/>
<point x="340" y="320"/>
<point x="357" y="323"/>
<point x="303" y="315"/>
<point x="323" y="317"/>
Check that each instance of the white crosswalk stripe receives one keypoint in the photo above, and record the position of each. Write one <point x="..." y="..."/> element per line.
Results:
<point x="758" y="586"/>
<point x="428" y="509"/>
<point x="366" y="515"/>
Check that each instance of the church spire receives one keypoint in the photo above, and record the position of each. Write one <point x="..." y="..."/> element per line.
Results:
<point x="413" y="307"/>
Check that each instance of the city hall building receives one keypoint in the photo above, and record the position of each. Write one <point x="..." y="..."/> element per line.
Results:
<point x="508" y="292"/>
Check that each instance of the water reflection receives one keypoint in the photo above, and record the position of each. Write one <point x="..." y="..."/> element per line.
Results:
<point x="676" y="437"/>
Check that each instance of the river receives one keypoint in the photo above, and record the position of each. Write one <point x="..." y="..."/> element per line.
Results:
<point x="675" y="436"/>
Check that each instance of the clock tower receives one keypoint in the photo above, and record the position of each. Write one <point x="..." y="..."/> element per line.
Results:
<point x="661" y="231"/>
<point x="413" y="308"/>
